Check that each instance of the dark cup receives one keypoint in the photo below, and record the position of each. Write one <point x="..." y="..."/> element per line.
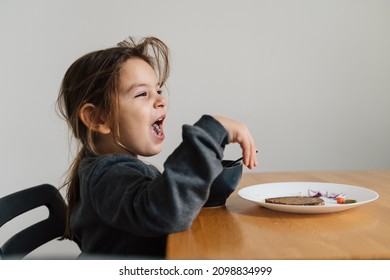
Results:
<point x="224" y="184"/>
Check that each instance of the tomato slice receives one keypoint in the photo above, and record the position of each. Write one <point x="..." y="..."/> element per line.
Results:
<point x="340" y="200"/>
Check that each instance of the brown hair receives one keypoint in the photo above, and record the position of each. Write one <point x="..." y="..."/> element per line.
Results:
<point x="94" y="78"/>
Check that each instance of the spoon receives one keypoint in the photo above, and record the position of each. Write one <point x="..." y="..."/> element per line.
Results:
<point x="237" y="160"/>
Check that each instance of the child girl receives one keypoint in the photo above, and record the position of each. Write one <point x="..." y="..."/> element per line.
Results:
<point x="117" y="204"/>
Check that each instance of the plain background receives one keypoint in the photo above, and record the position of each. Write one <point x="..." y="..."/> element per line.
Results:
<point x="311" y="79"/>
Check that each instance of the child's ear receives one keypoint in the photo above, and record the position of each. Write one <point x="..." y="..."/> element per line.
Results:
<point x="93" y="120"/>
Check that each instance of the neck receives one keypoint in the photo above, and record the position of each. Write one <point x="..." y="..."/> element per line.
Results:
<point x="107" y="145"/>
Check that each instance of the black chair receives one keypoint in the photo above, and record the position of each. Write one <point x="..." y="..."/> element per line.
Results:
<point x="30" y="238"/>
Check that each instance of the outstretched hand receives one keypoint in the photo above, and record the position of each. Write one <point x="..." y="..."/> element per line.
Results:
<point x="239" y="133"/>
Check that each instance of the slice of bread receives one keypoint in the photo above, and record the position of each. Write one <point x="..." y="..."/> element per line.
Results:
<point x="296" y="200"/>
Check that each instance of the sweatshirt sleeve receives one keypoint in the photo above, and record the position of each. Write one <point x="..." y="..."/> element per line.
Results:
<point x="169" y="202"/>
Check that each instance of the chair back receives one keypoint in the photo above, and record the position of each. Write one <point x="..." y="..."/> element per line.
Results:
<point x="32" y="237"/>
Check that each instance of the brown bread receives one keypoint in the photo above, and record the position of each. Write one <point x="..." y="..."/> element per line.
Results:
<point x="296" y="200"/>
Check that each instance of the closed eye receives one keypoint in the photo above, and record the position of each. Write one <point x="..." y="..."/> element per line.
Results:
<point x="144" y="93"/>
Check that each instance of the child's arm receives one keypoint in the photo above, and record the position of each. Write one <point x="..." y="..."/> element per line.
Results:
<point x="239" y="133"/>
<point x="125" y="198"/>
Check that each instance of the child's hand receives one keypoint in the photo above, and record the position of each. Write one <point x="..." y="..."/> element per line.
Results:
<point x="239" y="133"/>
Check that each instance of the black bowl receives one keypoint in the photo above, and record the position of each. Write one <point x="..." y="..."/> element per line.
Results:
<point x="224" y="184"/>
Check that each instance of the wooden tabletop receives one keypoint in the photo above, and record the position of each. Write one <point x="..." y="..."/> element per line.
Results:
<point x="244" y="230"/>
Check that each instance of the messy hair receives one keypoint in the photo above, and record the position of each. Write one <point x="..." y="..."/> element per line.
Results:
<point x="94" y="78"/>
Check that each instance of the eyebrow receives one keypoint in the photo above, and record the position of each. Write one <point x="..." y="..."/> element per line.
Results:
<point x="133" y="86"/>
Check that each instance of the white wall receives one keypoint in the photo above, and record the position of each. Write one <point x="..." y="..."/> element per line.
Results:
<point x="310" y="78"/>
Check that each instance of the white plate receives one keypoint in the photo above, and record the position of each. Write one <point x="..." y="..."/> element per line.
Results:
<point x="258" y="194"/>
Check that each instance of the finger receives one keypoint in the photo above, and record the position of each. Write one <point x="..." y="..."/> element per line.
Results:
<point x="252" y="160"/>
<point x="254" y="157"/>
<point x="247" y="151"/>
<point x="245" y="147"/>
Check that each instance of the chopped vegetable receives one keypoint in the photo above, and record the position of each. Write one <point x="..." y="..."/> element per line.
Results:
<point x="314" y="193"/>
<point x="340" y="200"/>
<point x="339" y="197"/>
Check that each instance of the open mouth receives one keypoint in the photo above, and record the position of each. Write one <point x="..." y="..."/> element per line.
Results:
<point x="158" y="126"/>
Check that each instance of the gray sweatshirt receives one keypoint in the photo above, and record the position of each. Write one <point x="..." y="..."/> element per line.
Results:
<point x="127" y="207"/>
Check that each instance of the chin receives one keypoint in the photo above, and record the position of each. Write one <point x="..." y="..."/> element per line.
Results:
<point x="153" y="152"/>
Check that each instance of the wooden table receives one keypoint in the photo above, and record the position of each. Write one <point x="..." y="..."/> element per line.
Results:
<point x="244" y="230"/>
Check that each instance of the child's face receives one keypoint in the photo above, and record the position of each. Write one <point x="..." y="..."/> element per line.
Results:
<point x="142" y="109"/>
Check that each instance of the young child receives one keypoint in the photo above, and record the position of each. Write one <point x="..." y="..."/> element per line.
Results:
<point x="117" y="204"/>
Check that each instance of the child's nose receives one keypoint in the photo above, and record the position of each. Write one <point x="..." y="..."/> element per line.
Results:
<point x="160" y="101"/>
